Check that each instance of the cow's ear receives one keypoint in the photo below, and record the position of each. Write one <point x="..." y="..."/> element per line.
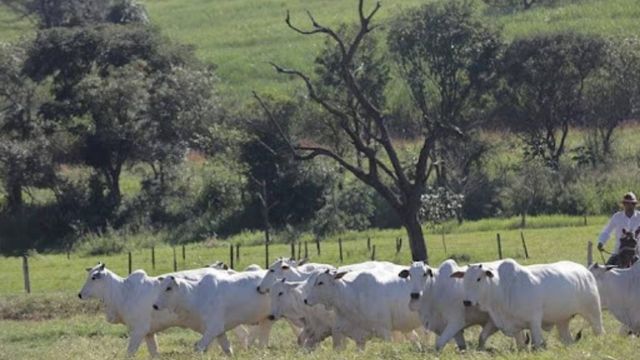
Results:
<point x="160" y="278"/>
<point x="458" y="275"/>
<point x="225" y="266"/>
<point x="404" y="274"/>
<point x="88" y="269"/>
<point x="303" y="261"/>
<point x="429" y="273"/>
<point x="339" y="275"/>
<point x="327" y="271"/>
<point x="172" y="277"/>
<point x="489" y="274"/>
<point x="102" y="267"/>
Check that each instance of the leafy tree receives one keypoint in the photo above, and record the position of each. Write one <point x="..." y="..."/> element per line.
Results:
<point x="544" y="86"/>
<point x="67" y="13"/>
<point x="26" y="154"/>
<point x="400" y="183"/>
<point x="528" y="188"/>
<point x="613" y="93"/>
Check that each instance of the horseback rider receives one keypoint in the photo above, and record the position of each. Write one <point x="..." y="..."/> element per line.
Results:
<point x="628" y="219"/>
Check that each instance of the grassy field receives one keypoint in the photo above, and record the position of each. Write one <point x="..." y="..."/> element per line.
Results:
<point x="241" y="36"/>
<point x="52" y="322"/>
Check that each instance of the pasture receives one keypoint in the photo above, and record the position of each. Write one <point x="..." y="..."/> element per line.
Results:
<point x="53" y="323"/>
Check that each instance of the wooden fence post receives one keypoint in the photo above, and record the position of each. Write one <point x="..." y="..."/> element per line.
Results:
<point x="175" y="261"/>
<point x="589" y="253"/>
<point x="398" y="245"/>
<point x="153" y="257"/>
<point x="293" y="249"/>
<point x="184" y="254"/>
<point x="444" y="242"/>
<point x="25" y="273"/>
<point x="237" y="253"/>
<point x="231" y="257"/>
<point x="373" y="253"/>
<point x="299" y="250"/>
<point x="266" y="254"/>
<point x="524" y="245"/>
<point x="318" y="246"/>
<point x="340" y="249"/>
<point x="368" y="243"/>
<point x="499" y="246"/>
<point x="130" y="263"/>
<point x="306" y="250"/>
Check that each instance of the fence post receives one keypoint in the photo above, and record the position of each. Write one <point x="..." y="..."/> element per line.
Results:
<point x="306" y="250"/>
<point x="266" y="254"/>
<point x="237" y="253"/>
<point x="293" y="249"/>
<point x="340" y="249"/>
<point x="318" y="246"/>
<point x="175" y="261"/>
<point x="499" y="246"/>
<point x="524" y="245"/>
<point x="184" y="254"/>
<point x="231" y="265"/>
<point x="589" y="253"/>
<point x="130" y="265"/>
<point x="444" y="242"/>
<point x="25" y="273"/>
<point x="368" y="243"/>
<point x="153" y="257"/>
<point x="398" y="245"/>
<point x="373" y="253"/>
<point x="299" y="250"/>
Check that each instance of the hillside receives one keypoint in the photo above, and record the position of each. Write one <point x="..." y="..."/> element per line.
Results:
<point x="241" y="36"/>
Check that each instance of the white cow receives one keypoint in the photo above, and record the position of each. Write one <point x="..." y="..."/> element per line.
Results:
<point x="438" y="299"/>
<point x="128" y="301"/>
<point x="287" y="301"/>
<point x="534" y="297"/>
<point x="620" y="293"/>
<point x="367" y="303"/>
<point x="215" y="304"/>
<point x="289" y="269"/>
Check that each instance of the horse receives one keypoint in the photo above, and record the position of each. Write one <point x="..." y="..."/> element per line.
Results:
<point x="628" y="251"/>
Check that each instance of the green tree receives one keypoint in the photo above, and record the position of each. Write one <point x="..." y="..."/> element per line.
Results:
<point x="544" y="89"/>
<point x="26" y="154"/>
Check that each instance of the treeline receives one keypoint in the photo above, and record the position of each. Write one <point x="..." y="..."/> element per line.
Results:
<point x="435" y="117"/>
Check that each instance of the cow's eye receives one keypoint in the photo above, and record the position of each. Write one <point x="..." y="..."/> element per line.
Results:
<point x="479" y="279"/>
<point x="320" y="283"/>
<point x="93" y="278"/>
<point x="272" y="270"/>
<point x="169" y="288"/>
<point x="280" y="293"/>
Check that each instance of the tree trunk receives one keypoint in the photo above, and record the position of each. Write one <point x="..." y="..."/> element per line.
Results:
<point x="416" y="238"/>
<point x="14" y="196"/>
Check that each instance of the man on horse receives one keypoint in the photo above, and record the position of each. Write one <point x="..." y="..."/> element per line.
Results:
<point x="627" y="220"/>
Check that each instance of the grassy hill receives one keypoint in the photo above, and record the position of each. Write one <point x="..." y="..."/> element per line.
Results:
<point x="241" y="36"/>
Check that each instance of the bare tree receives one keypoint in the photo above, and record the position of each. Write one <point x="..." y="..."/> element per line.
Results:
<point x="400" y="185"/>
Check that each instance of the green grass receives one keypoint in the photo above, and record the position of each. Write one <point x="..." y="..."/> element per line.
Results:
<point x="241" y="36"/>
<point x="53" y="323"/>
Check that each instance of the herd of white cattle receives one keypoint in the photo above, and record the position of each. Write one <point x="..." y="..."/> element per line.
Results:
<point x="367" y="300"/>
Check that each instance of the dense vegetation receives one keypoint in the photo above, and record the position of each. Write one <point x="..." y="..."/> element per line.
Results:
<point x="114" y="129"/>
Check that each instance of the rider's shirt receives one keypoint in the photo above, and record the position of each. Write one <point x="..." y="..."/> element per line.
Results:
<point x="618" y="222"/>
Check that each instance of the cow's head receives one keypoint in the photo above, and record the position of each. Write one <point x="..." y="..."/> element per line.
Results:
<point x="95" y="284"/>
<point x="219" y="265"/>
<point x="474" y="278"/>
<point x="323" y="289"/>
<point x="420" y="275"/>
<point x="168" y="296"/>
<point x="599" y="270"/>
<point x="278" y="270"/>
<point x="283" y="301"/>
